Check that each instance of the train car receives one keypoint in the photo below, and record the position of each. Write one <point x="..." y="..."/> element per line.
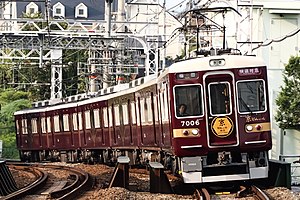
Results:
<point x="220" y="118"/>
<point x="207" y="119"/>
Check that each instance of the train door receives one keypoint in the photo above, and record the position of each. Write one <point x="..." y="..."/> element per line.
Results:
<point x="221" y="113"/>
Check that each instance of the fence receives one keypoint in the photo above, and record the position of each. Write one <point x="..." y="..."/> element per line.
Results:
<point x="295" y="167"/>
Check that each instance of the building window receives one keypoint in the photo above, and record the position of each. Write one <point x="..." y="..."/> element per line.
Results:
<point x="58" y="10"/>
<point x="32" y="8"/>
<point x="81" y="11"/>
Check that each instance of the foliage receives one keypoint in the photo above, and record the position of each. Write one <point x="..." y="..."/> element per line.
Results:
<point x="11" y="101"/>
<point x="9" y="146"/>
<point x="288" y="101"/>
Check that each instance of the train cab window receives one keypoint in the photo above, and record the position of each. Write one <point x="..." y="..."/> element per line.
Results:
<point x="56" y="123"/>
<point x="24" y="126"/>
<point x="96" y="118"/>
<point x="219" y="96"/>
<point x="251" y="96"/>
<point x="75" y="125"/>
<point x="188" y="101"/>
<point x="66" y="122"/>
<point x="87" y="116"/>
<point x="43" y="125"/>
<point x="34" y="125"/>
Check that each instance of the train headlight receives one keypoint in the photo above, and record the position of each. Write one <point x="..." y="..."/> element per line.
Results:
<point x="249" y="128"/>
<point x="185" y="132"/>
<point x="195" y="132"/>
<point x="216" y="62"/>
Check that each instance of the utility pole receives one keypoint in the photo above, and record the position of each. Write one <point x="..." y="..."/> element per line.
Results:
<point x="106" y="53"/>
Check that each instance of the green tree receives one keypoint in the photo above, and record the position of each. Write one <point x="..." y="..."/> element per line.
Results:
<point x="11" y="101"/>
<point x="288" y="101"/>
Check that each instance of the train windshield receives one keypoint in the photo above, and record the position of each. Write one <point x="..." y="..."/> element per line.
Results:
<point x="219" y="94"/>
<point x="251" y="96"/>
<point x="188" y="100"/>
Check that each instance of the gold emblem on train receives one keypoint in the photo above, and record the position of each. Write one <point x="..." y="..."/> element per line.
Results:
<point x="222" y="126"/>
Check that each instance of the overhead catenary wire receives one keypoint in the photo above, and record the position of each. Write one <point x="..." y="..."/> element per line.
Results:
<point x="280" y="39"/>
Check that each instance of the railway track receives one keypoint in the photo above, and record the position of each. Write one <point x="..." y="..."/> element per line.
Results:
<point x="250" y="191"/>
<point x="78" y="181"/>
<point x="253" y="190"/>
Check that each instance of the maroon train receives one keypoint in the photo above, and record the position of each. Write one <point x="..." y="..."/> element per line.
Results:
<point x="222" y="134"/>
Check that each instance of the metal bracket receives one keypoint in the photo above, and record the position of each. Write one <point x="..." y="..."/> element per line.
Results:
<point x="159" y="182"/>
<point x="120" y="176"/>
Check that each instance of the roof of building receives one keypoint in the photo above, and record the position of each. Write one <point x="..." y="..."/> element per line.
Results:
<point x="96" y="8"/>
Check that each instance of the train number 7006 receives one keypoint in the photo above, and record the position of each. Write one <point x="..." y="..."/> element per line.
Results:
<point x="190" y="123"/>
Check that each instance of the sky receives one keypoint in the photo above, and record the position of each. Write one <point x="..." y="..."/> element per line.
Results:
<point x="172" y="3"/>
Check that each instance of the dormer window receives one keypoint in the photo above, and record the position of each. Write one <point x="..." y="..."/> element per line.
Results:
<point x="81" y="11"/>
<point x="58" y="10"/>
<point x="32" y="8"/>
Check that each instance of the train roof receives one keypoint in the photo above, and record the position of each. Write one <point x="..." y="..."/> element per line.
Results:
<point x="190" y="65"/>
<point x="104" y="94"/>
<point x="203" y="63"/>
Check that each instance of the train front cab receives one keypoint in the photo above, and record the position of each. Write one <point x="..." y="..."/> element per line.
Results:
<point x="224" y="135"/>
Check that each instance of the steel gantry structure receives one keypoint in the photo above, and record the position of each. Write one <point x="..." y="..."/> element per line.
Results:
<point x="105" y="40"/>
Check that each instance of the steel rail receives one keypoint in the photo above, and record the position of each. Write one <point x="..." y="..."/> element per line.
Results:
<point x="259" y="194"/>
<point x="37" y="184"/>
<point x="83" y="181"/>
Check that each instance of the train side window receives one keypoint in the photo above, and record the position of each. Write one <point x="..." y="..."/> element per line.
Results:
<point x="251" y="96"/>
<point x="133" y="114"/>
<point x="117" y="115"/>
<point x="24" y="126"/>
<point x="138" y="111"/>
<point x="143" y="110"/>
<point x="96" y="118"/>
<point x="110" y="116"/>
<point x="155" y="108"/>
<point x="75" y="125"/>
<point x="56" y="123"/>
<point x="219" y="98"/>
<point x="162" y="105"/>
<point x="66" y="122"/>
<point x="165" y="103"/>
<point x="43" y="125"/>
<point x="105" y="118"/>
<point x="80" y="121"/>
<point x="48" y="124"/>
<point x="87" y="115"/>
<point x="188" y="100"/>
<point x="150" y="109"/>
<point x="34" y="125"/>
<point x="125" y="113"/>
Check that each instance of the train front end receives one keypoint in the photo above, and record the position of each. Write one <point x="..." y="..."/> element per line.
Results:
<point x="220" y="118"/>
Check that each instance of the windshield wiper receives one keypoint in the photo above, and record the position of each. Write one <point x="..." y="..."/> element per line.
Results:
<point x="245" y="105"/>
